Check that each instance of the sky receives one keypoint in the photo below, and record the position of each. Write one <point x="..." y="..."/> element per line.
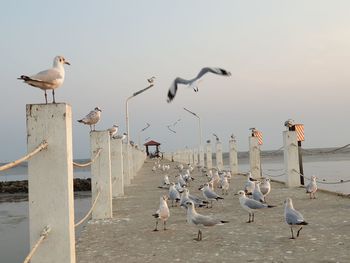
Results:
<point x="288" y="59"/>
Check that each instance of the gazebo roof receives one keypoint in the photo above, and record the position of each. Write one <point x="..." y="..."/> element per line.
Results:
<point x="152" y="143"/>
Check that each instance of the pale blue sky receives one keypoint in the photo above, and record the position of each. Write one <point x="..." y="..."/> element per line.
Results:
<point x="289" y="59"/>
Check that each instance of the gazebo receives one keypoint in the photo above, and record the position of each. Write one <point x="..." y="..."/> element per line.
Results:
<point x="152" y="143"/>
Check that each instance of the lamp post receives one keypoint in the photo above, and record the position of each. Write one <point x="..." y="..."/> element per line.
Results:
<point x="147" y="126"/>
<point x="151" y="80"/>
<point x="201" y="153"/>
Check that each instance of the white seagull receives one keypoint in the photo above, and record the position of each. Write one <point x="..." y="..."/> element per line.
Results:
<point x="265" y="186"/>
<point x="49" y="79"/>
<point x="311" y="188"/>
<point x="209" y="194"/>
<point x="192" y="82"/>
<point x="92" y="118"/>
<point x="293" y="217"/>
<point x="193" y="218"/>
<point x="163" y="212"/>
<point x="113" y="131"/>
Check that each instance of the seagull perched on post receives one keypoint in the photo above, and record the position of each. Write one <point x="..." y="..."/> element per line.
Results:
<point x="49" y="79"/>
<point x="151" y="80"/>
<point x="92" y="118"/>
<point x="289" y="123"/>
<point x="216" y="137"/>
<point x="192" y="82"/>
<point x="113" y="131"/>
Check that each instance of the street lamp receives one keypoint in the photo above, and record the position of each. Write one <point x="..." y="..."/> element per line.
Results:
<point x="201" y="153"/>
<point x="151" y="80"/>
<point x="147" y="126"/>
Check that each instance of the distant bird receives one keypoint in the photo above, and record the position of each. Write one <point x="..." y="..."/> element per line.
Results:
<point x="163" y="212"/>
<point x="92" y="118"/>
<point x="49" y="79"/>
<point x="250" y="205"/>
<point x="208" y="141"/>
<point x="216" y="137"/>
<point x="192" y="82"/>
<point x="121" y="137"/>
<point x="311" y="188"/>
<point x="289" y="123"/>
<point x="174" y="195"/>
<point x="293" y="217"/>
<point x="249" y="184"/>
<point x="233" y="137"/>
<point x="151" y="80"/>
<point x="193" y="218"/>
<point x="209" y="194"/>
<point x="253" y="130"/>
<point x="113" y="131"/>
<point x="265" y="186"/>
<point x="185" y="197"/>
<point x="225" y="186"/>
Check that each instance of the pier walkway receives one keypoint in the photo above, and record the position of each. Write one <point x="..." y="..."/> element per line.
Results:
<point x="129" y="236"/>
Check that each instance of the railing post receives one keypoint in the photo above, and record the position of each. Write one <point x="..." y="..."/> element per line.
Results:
<point x="131" y="162"/>
<point x="233" y="157"/>
<point x="50" y="176"/>
<point x="201" y="156"/>
<point x="219" y="162"/>
<point x="117" y="167"/>
<point x="126" y="166"/>
<point x="209" y="156"/>
<point x="254" y="157"/>
<point x="195" y="156"/>
<point x="291" y="158"/>
<point x="101" y="175"/>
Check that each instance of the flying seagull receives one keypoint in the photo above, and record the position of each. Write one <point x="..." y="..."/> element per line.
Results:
<point x="49" y="79"/>
<point x="92" y="118"/>
<point x="192" y="82"/>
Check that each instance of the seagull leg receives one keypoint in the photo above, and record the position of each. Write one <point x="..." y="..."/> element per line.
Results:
<point x="199" y="236"/>
<point x="45" y="97"/>
<point x="291" y="230"/>
<point x="249" y="219"/>
<point x="156" y="226"/>
<point x="164" y="225"/>
<point x="252" y="217"/>
<point x="299" y="231"/>
<point x="53" y="96"/>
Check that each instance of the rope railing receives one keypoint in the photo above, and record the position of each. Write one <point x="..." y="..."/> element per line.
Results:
<point x="43" y="145"/>
<point x="274" y="175"/>
<point x="323" y="181"/>
<point x="43" y="235"/>
<point x="81" y="165"/>
<point x="90" y="211"/>
<point x="330" y="151"/>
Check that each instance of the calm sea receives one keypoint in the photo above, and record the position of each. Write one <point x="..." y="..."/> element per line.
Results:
<point x="14" y="237"/>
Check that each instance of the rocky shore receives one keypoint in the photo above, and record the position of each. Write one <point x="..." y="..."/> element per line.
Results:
<point x="14" y="187"/>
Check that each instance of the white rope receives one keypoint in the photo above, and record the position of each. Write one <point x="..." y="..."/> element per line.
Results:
<point x="43" y="235"/>
<point x="80" y="165"/>
<point x="90" y="211"/>
<point x="43" y="145"/>
<point x="272" y="175"/>
<point x="323" y="181"/>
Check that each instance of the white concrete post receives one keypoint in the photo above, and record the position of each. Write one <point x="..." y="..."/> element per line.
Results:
<point x="201" y="156"/>
<point x="209" y="156"/>
<point x="101" y="175"/>
<point x="291" y="158"/>
<point x="233" y="157"/>
<point x="117" y="168"/>
<point x="131" y="163"/>
<point x="219" y="162"/>
<point x="254" y="157"/>
<point x="195" y="157"/>
<point x="50" y="179"/>
<point x="126" y="167"/>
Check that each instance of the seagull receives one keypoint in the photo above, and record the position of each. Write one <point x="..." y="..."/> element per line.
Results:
<point x="92" y="118"/>
<point x="257" y="194"/>
<point x="265" y="186"/>
<point x="121" y="137"/>
<point x="192" y="82"/>
<point x="49" y="79"/>
<point x="193" y="218"/>
<point x="209" y="194"/>
<point x="163" y="212"/>
<point x="289" y="123"/>
<point x="151" y="80"/>
<point x="216" y="137"/>
<point x="233" y="137"/>
<point x="250" y="205"/>
<point x="293" y="217"/>
<point x="113" y="131"/>
<point x="311" y="188"/>
<point x="249" y="184"/>
<point x="185" y="197"/>
<point x="173" y="194"/>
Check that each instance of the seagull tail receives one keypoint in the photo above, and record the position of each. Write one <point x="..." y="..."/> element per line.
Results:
<point x="271" y="206"/>
<point x="224" y="221"/>
<point x="156" y="215"/>
<point x="81" y="121"/>
<point x="219" y="197"/>
<point x="304" y="223"/>
<point x="24" y="77"/>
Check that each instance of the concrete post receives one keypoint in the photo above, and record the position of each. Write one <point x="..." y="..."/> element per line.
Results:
<point x="254" y="157"/>
<point x="117" y="168"/>
<point x="131" y="169"/>
<point x="233" y="157"/>
<point x="209" y="156"/>
<point x="101" y="175"/>
<point x="50" y="179"/>
<point x="195" y="157"/>
<point x="291" y="158"/>
<point x="219" y="162"/>
<point x="201" y="156"/>
<point x="126" y="167"/>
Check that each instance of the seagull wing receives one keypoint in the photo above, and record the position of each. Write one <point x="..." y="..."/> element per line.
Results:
<point x="218" y="71"/>
<point x="49" y="76"/>
<point x="173" y="88"/>
<point x="293" y="217"/>
<point x="253" y="204"/>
